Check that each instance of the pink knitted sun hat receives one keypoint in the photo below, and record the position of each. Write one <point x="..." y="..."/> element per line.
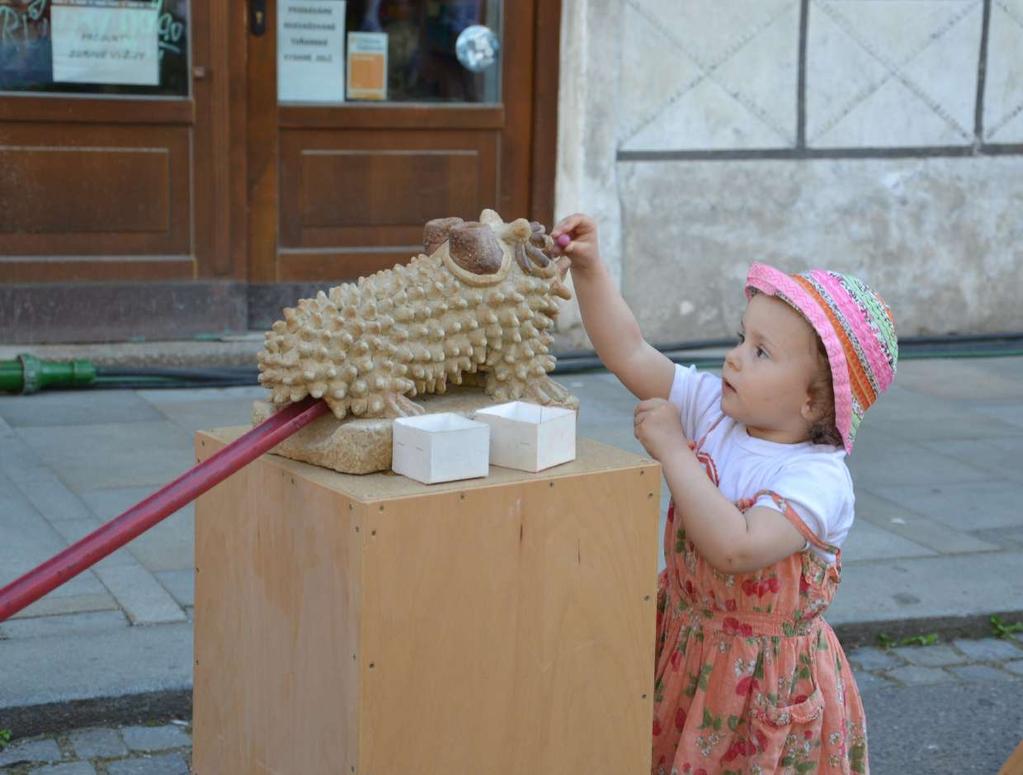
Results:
<point x="856" y="327"/>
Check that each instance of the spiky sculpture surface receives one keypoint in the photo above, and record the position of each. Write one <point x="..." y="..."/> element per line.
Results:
<point x="479" y="301"/>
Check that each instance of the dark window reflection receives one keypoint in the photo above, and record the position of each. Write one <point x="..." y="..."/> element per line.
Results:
<point x="421" y="61"/>
<point x="26" y="55"/>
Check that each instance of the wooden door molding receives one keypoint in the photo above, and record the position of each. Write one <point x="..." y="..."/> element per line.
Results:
<point x="262" y="145"/>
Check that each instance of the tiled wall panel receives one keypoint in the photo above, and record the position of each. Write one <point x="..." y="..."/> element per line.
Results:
<point x="878" y="74"/>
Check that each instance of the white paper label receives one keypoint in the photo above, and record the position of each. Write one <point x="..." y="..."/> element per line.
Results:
<point x="105" y="41"/>
<point x="310" y="51"/>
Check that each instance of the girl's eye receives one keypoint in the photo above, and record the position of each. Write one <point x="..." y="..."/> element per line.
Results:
<point x="741" y="336"/>
<point x="761" y="352"/>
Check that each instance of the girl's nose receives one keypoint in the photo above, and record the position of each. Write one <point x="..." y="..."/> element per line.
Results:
<point x="732" y="358"/>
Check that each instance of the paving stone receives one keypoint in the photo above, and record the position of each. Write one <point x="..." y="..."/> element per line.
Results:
<point x="930" y="656"/>
<point x="142" y="597"/>
<point x="865" y="680"/>
<point x="98" y="742"/>
<point x="165" y="764"/>
<point x="92" y="457"/>
<point x="954" y="503"/>
<point x="73" y="408"/>
<point x="167" y="545"/>
<point x="44" y="750"/>
<point x="1015" y="666"/>
<point x="55" y="604"/>
<point x="105" y="663"/>
<point x="63" y="626"/>
<point x="916" y="675"/>
<point x="989" y="649"/>
<point x="870" y="658"/>
<point x="69" y="768"/>
<point x="916" y="527"/>
<point x="155" y="738"/>
<point x="180" y="584"/>
<point x="978" y="673"/>
<point x="49" y="495"/>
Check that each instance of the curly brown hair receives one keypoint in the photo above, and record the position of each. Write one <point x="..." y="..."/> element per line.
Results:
<point x="823" y="429"/>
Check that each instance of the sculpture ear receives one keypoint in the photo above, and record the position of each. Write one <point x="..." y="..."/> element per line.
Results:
<point x="474" y="247"/>
<point x="436" y="232"/>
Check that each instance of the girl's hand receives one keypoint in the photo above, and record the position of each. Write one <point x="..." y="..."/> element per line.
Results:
<point x="581" y="246"/>
<point x="658" y="426"/>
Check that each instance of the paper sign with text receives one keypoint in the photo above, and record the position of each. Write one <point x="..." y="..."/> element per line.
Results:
<point x="105" y="41"/>
<point x="310" y="51"/>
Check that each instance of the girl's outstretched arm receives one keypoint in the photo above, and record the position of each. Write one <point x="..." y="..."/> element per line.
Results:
<point x="609" y="322"/>
<point x="730" y="540"/>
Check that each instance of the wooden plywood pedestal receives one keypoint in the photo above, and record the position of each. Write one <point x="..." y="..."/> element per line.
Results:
<point x="373" y="625"/>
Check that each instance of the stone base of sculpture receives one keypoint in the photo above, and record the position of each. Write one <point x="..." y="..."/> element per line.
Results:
<point x="363" y="446"/>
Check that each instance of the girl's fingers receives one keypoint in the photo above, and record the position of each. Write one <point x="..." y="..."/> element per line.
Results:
<point x="568" y="225"/>
<point x="649" y="404"/>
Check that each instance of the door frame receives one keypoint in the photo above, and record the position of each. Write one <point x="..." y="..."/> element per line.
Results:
<point x="533" y="131"/>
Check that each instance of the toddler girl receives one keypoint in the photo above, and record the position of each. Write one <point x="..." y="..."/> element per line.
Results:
<point x="749" y="677"/>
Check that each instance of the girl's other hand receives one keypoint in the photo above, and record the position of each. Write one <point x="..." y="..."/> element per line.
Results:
<point x="658" y="426"/>
<point x="576" y="237"/>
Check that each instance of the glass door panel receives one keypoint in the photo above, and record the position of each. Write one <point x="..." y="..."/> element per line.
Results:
<point x="130" y="48"/>
<point x="332" y="52"/>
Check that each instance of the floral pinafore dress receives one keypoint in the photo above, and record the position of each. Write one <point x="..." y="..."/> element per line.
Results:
<point x="749" y="676"/>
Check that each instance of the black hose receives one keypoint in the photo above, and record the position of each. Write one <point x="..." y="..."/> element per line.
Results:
<point x="212" y="373"/>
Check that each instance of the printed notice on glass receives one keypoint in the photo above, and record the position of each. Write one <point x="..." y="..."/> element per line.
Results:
<point x="310" y="51"/>
<point x="106" y="41"/>
<point x="367" y="65"/>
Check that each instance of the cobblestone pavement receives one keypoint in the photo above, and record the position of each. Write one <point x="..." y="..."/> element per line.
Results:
<point x="167" y="749"/>
<point x="129" y="750"/>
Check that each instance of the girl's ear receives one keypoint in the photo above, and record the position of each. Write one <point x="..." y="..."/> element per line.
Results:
<point x="811" y="410"/>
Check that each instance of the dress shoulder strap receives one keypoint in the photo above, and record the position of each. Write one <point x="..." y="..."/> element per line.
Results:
<point x="799" y="524"/>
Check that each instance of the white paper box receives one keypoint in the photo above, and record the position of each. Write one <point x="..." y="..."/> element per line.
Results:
<point x="440" y="447"/>
<point x="529" y="437"/>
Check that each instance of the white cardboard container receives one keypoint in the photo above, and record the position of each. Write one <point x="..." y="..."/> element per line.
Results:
<point x="529" y="437"/>
<point x="442" y="447"/>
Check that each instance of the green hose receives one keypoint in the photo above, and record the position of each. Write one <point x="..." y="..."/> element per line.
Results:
<point x="29" y="374"/>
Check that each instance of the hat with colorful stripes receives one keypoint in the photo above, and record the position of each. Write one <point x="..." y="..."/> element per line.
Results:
<point x="857" y="329"/>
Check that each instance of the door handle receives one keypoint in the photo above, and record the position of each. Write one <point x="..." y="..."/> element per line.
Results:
<point x="257" y="17"/>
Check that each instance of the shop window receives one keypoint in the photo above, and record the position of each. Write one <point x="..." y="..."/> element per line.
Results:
<point x="95" y="47"/>
<point x="397" y="51"/>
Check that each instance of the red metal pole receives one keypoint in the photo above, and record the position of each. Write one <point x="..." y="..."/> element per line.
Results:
<point x="158" y="506"/>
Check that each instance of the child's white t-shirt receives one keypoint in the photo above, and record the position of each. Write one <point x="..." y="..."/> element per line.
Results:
<point x="813" y="478"/>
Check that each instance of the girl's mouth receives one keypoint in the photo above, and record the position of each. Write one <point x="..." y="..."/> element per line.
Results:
<point x="727" y="386"/>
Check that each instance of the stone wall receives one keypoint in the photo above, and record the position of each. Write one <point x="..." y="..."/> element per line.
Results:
<point x="878" y="137"/>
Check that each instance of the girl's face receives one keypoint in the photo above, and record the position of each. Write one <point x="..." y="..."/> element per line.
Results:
<point x="767" y="376"/>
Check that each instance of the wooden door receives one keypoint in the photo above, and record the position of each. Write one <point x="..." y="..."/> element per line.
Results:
<point x="112" y="188"/>
<point x="343" y="190"/>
